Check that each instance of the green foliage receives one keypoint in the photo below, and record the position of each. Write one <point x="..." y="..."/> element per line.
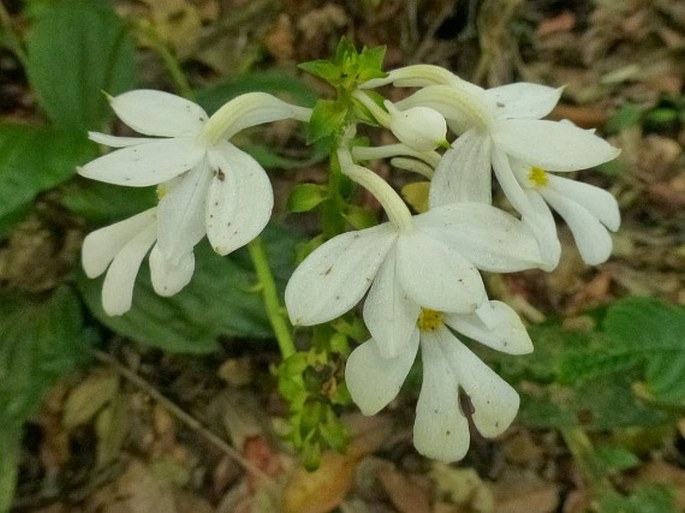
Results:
<point x="328" y="118"/>
<point x="306" y="196"/>
<point x="647" y="499"/>
<point x="614" y="459"/>
<point x="86" y="43"/>
<point x="102" y="203"/>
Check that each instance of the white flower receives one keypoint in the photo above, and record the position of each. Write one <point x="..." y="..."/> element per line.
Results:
<point x="496" y="126"/>
<point x="420" y="128"/>
<point x="441" y="429"/>
<point x="430" y="264"/>
<point x="120" y="248"/>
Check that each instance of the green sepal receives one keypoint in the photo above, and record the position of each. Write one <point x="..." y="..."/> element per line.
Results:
<point x="306" y="196"/>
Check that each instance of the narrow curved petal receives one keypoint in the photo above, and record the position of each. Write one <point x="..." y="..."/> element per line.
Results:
<point x="495" y="402"/>
<point x="552" y="145"/>
<point x="441" y="430"/>
<point x="182" y="211"/>
<point x="592" y="238"/>
<point x="486" y="236"/>
<point x="436" y="276"/>
<point x="153" y="112"/>
<point x="335" y="277"/>
<point x="240" y="199"/>
<point x="389" y="313"/>
<point x="374" y="380"/>
<point x="463" y="173"/>
<point x="145" y="164"/>
<point x="114" y="141"/>
<point x="169" y="277"/>
<point x="101" y="246"/>
<point x="522" y="100"/>
<point x="495" y="325"/>
<point x="117" y="289"/>
<point x="598" y="202"/>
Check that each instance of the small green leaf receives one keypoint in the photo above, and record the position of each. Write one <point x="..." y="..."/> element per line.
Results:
<point x="326" y="70"/>
<point x="627" y="115"/>
<point x="615" y="459"/>
<point x="371" y="64"/>
<point x="360" y="217"/>
<point x="647" y="499"/>
<point x="76" y="50"/>
<point x="327" y="118"/>
<point x="306" y="196"/>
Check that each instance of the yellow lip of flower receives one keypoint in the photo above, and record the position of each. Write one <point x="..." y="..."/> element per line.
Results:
<point x="538" y="176"/>
<point x="430" y="320"/>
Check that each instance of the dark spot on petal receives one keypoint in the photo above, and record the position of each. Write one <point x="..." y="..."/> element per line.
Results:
<point x="220" y="175"/>
<point x="328" y="271"/>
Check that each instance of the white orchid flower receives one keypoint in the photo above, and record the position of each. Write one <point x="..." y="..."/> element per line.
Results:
<point x="441" y="429"/>
<point x="431" y="262"/>
<point x="420" y="128"/>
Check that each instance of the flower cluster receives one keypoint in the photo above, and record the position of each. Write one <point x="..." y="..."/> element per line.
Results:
<point x="417" y="274"/>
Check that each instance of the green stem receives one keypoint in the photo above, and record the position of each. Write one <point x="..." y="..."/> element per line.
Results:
<point x="272" y="303"/>
<point x="12" y="40"/>
<point x="582" y="450"/>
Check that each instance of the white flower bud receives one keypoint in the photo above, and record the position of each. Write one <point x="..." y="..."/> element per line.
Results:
<point x="420" y="128"/>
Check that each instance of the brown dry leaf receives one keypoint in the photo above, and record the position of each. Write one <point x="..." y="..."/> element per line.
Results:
<point x="88" y="397"/>
<point x="524" y="492"/>
<point x="405" y="494"/>
<point x="463" y="487"/>
<point x="177" y="22"/>
<point x="564" y="22"/>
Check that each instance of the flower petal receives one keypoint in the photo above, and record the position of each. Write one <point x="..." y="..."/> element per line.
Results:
<point x="389" y="314"/>
<point x="552" y="145"/>
<point x="494" y="401"/>
<point x="170" y="277"/>
<point x="117" y="289"/>
<point x="153" y="112"/>
<point x="436" y="276"/>
<point x="522" y="100"/>
<point x="502" y="329"/>
<point x="441" y="430"/>
<point x="101" y="246"/>
<point x="592" y="238"/>
<point x="598" y="202"/>
<point x="115" y="141"/>
<point x="181" y="212"/>
<point x="333" y="278"/>
<point x="463" y="173"/>
<point x="374" y="380"/>
<point x="145" y="164"/>
<point x="240" y="199"/>
<point x="487" y="236"/>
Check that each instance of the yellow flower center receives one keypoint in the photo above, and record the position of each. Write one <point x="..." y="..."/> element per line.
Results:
<point x="161" y="191"/>
<point x="430" y="320"/>
<point x="538" y="176"/>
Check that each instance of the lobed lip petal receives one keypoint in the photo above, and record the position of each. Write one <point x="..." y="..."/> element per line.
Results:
<point x="486" y="236"/>
<point x="504" y="331"/>
<point x="389" y="314"/>
<point x="117" y="289"/>
<point x="335" y="277"/>
<point x="435" y="276"/>
<point x="552" y="145"/>
<point x="494" y="401"/>
<point x="592" y="238"/>
<point x="542" y="223"/>
<point x="522" y="100"/>
<point x="101" y="246"/>
<point x="114" y="141"/>
<point x="169" y="277"/>
<point x="182" y="210"/>
<point x="441" y="430"/>
<point x="374" y="380"/>
<point x="598" y="202"/>
<point x="463" y="173"/>
<point x="159" y="113"/>
<point x="240" y="199"/>
<point x="145" y="164"/>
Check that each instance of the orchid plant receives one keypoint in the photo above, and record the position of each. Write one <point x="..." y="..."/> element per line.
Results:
<point x="417" y="273"/>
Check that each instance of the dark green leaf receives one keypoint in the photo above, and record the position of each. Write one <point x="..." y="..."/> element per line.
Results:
<point x="34" y="159"/>
<point x="77" y="49"/>
<point x="10" y="448"/>
<point x="102" y="203"/>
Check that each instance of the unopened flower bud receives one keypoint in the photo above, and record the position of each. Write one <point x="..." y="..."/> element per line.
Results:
<point x="420" y="128"/>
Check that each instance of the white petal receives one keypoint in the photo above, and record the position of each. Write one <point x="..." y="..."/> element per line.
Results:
<point x="153" y="112"/>
<point x="333" y="278"/>
<point x="170" y="277"/>
<point x="598" y="202"/>
<point x="592" y="238"/>
<point x="522" y="100"/>
<point x="101" y="246"/>
<point x="145" y="164"/>
<point x="495" y="402"/>
<point x="115" y="141"/>
<point x="436" y="276"/>
<point x="389" y="314"/>
<point x="441" y="431"/>
<point x="181" y="212"/>
<point x="542" y="223"/>
<point x="374" y="380"/>
<point x="551" y="145"/>
<point x="503" y="329"/>
<point x="463" y="173"/>
<point x="240" y="199"/>
<point x="420" y="128"/>
<point x="486" y="236"/>
<point x="117" y="289"/>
